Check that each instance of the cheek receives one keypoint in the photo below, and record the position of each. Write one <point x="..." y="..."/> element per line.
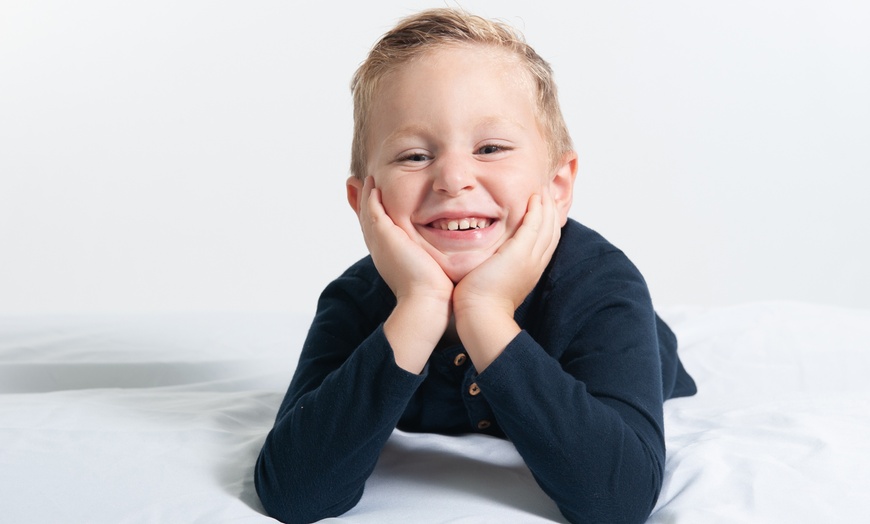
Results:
<point x="397" y="204"/>
<point x="392" y="205"/>
<point x="405" y="192"/>
<point x="518" y="203"/>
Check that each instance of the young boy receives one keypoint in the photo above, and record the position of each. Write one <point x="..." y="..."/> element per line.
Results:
<point x="483" y="307"/>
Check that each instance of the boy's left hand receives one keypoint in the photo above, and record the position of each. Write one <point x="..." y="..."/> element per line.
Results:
<point x="485" y="300"/>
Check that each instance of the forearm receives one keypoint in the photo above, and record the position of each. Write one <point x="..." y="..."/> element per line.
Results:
<point x="598" y="458"/>
<point x="485" y="300"/>
<point x="325" y="444"/>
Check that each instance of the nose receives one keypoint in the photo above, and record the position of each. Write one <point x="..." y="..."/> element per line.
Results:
<point x="453" y="175"/>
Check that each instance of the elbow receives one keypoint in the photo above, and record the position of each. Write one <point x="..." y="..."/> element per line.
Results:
<point x="292" y="498"/>
<point x="633" y="509"/>
<point x="628" y="501"/>
<point x="276" y="493"/>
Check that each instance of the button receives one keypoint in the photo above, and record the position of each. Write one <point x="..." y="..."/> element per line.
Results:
<point x="474" y="390"/>
<point x="483" y="424"/>
<point x="460" y="359"/>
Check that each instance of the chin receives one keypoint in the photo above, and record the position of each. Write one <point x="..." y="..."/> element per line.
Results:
<point x="456" y="276"/>
<point x="457" y="267"/>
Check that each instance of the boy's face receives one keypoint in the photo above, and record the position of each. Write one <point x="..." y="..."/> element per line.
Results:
<point x="455" y="148"/>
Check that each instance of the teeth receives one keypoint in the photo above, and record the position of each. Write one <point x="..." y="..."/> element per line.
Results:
<point x="462" y="224"/>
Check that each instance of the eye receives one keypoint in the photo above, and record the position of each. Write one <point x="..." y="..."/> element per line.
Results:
<point x="491" y="149"/>
<point x="415" y="157"/>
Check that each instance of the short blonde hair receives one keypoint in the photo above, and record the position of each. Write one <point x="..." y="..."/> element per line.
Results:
<point x="436" y="28"/>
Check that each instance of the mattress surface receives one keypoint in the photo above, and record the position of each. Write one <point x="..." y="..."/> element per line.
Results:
<point x="159" y="418"/>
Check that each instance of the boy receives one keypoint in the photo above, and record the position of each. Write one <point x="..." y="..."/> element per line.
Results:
<point x="482" y="307"/>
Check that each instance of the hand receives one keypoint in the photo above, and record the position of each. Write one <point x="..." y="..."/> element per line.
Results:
<point x="505" y="279"/>
<point x="485" y="300"/>
<point x="423" y="291"/>
<point x="403" y="264"/>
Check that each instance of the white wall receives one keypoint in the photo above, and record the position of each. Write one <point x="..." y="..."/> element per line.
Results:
<point x="169" y="155"/>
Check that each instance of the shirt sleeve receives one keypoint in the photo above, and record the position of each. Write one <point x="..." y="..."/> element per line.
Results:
<point x="344" y="401"/>
<point x="585" y="409"/>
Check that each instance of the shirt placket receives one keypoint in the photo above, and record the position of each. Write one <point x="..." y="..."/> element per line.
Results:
<point x="480" y="415"/>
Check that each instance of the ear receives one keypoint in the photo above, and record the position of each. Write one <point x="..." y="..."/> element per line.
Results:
<point x="354" y="193"/>
<point x="562" y="184"/>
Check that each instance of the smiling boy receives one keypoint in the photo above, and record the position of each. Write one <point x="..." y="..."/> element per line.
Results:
<point x="482" y="306"/>
<point x="453" y="140"/>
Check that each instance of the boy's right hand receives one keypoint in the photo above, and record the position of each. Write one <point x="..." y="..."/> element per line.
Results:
<point x="423" y="291"/>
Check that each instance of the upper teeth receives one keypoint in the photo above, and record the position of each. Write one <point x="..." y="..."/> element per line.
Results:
<point x="464" y="223"/>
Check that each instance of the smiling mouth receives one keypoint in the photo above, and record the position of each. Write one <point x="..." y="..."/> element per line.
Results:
<point x="461" y="224"/>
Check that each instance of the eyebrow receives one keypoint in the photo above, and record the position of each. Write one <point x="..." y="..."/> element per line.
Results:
<point x="416" y="129"/>
<point x="497" y="120"/>
<point x="407" y="131"/>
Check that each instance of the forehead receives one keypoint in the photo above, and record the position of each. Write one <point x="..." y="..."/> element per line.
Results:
<point x="456" y="61"/>
<point x="460" y="79"/>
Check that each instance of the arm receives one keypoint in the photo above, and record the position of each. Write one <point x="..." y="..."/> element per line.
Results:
<point x="344" y="401"/>
<point x="585" y="413"/>
<point x="355" y="376"/>
<point x="485" y="300"/>
<point x="421" y="288"/>
<point x="588" y="424"/>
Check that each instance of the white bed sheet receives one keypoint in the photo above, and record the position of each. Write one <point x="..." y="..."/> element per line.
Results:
<point x="159" y="418"/>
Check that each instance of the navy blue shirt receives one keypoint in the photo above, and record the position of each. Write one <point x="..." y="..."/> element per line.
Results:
<point x="579" y="391"/>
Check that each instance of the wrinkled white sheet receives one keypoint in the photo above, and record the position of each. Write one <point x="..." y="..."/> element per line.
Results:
<point x="159" y="418"/>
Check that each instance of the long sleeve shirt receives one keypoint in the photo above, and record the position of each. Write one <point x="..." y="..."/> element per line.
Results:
<point x="579" y="391"/>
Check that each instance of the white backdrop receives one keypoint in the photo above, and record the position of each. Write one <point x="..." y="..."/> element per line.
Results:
<point x="168" y="155"/>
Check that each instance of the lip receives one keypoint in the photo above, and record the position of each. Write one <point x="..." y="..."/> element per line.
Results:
<point x="460" y="240"/>
<point x="463" y="224"/>
<point x="456" y="215"/>
<point x="435" y="222"/>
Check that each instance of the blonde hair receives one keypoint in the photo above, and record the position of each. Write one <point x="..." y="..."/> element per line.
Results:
<point x="437" y="28"/>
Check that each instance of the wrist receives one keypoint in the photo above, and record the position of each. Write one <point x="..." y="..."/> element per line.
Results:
<point x="433" y="308"/>
<point x="414" y="328"/>
<point x="474" y="306"/>
<point x="485" y="333"/>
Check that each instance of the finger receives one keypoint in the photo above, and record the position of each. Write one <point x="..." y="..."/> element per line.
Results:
<point x="369" y="192"/>
<point x="551" y="222"/>
<point x="554" y="228"/>
<point x="364" y="199"/>
<point x="372" y="216"/>
<point x="374" y="204"/>
<point x="541" y="224"/>
<point x="542" y="233"/>
<point x="523" y="243"/>
<point x="531" y="224"/>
